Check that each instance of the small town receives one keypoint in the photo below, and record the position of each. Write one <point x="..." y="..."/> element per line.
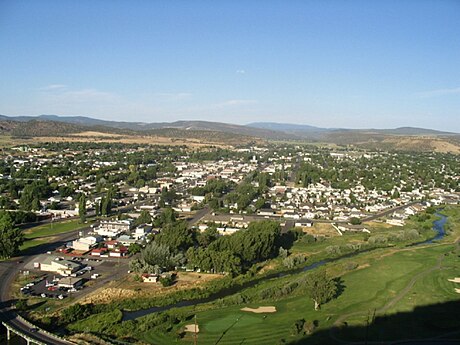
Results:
<point x="229" y="173"/>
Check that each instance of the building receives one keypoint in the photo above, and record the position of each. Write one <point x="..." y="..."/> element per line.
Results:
<point x="113" y="228"/>
<point x="141" y="231"/>
<point x="99" y="251"/>
<point x="303" y="224"/>
<point x="150" y="278"/>
<point x="84" y="244"/>
<point x="70" y="283"/>
<point x="119" y="252"/>
<point x="59" y="266"/>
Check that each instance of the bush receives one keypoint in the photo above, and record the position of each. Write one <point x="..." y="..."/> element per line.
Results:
<point x="310" y="326"/>
<point x="297" y="328"/>
<point x="167" y="280"/>
<point x="21" y="305"/>
<point x="308" y="239"/>
<point x="293" y="261"/>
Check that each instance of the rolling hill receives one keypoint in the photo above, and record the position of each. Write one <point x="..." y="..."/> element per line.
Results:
<point x="403" y="138"/>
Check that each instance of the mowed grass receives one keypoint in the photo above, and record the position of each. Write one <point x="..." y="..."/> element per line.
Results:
<point x="41" y="234"/>
<point x="366" y="289"/>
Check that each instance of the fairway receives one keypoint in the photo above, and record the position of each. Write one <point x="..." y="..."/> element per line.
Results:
<point x="391" y="283"/>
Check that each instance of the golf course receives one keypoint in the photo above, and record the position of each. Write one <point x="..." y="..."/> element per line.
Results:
<point x="384" y="284"/>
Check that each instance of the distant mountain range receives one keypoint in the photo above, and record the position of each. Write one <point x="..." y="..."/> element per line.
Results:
<point x="298" y="129"/>
<point x="265" y="130"/>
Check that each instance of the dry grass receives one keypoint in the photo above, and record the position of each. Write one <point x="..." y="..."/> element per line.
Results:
<point x="96" y="134"/>
<point x="130" y="288"/>
<point x="422" y="143"/>
<point x="98" y="137"/>
<point x="324" y="229"/>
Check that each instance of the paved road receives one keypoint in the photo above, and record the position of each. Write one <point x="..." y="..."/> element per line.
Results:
<point x="198" y="215"/>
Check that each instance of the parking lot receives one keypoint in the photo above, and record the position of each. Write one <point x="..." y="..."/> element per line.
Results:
<point x="93" y="273"/>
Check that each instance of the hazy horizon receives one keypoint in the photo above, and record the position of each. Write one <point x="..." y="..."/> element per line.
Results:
<point x="336" y="64"/>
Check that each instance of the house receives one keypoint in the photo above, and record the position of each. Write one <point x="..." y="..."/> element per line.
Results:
<point x="266" y="212"/>
<point x="98" y="251"/>
<point x="126" y="240"/>
<point x="306" y="223"/>
<point x="119" y="252"/>
<point x="60" y="266"/>
<point x="112" y="244"/>
<point x="150" y="278"/>
<point x="198" y="198"/>
<point x="227" y="231"/>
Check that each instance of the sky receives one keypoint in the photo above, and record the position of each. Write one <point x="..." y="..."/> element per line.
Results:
<point x="348" y="63"/>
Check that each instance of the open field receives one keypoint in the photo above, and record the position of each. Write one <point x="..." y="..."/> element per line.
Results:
<point x="125" y="139"/>
<point x="44" y="233"/>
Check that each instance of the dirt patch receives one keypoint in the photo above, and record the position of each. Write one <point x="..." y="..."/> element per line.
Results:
<point x="260" y="310"/>
<point x="130" y="287"/>
<point x="363" y="266"/>
<point x="96" y="134"/>
<point x="192" y="328"/>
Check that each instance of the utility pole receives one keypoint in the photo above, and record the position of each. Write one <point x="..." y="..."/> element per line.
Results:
<point x="195" y="341"/>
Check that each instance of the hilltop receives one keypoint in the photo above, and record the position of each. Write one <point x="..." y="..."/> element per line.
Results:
<point x="401" y="139"/>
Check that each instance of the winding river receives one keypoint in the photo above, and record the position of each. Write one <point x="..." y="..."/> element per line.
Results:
<point x="438" y="227"/>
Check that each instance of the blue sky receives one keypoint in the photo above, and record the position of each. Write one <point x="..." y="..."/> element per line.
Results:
<point x="355" y="64"/>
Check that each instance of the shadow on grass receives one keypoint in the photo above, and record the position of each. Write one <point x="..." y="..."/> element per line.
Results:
<point x="432" y="324"/>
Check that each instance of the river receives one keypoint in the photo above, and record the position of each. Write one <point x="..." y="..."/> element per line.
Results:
<point x="438" y="226"/>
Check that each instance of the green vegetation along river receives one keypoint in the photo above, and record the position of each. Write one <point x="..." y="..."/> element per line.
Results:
<point x="438" y="227"/>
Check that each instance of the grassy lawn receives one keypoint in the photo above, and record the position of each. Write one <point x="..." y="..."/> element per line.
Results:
<point x="366" y="289"/>
<point x="43" y="233"/>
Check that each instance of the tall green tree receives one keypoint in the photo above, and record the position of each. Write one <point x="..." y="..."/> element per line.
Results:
<point x="82" y="208"/>
<point x="11" y="238"/>
<point x="144" y="218"/>
<point x="320" y="288"/>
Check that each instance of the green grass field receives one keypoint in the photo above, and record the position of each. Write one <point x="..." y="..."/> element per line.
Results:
<point x="366" y="289"/>
<point x="42" y="233"/>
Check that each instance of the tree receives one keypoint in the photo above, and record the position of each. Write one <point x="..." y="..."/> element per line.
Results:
<point x="10" y="238"/>
<point x="320" y="288"/>
<point x="134" y="248"/>
<point x="208" y="236"/>
<point x="106" y="203"/>
<point x="155" y="254"/>
<point x="97" y="208"/>
<point x="176" y="236"/>
<point x="168" y="216"/>
<point x="82" y="208"/>
<point x="144" y="218"/>
<point x="355" y="221"/>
